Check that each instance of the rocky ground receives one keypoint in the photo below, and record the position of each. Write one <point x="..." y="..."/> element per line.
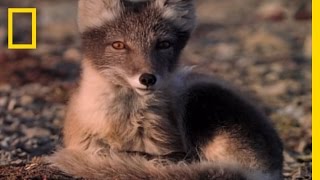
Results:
<point x="261" y="46"/>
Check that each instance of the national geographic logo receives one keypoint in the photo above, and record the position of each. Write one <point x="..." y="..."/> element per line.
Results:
<point x="12" y="22"/>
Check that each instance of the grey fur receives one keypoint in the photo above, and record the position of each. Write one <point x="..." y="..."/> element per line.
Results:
<point x="113" y="131"/>
<point x="93" y="13"/>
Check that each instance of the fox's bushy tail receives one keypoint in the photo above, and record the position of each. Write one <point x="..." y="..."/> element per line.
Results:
<point x="125" y="167"/>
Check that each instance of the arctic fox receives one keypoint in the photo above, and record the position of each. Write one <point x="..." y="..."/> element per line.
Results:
<point x="137" y="115"/>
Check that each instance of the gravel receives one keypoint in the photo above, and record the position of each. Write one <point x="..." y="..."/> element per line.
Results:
<point x="263" y="47"/>
<point x="26" y="123"/>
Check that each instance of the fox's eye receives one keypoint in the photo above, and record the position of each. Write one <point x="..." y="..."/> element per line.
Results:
<point x="118" y="45"/>
<point x="164" y="45"/>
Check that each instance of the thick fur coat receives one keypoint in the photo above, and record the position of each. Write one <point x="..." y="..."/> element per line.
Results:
<point x="182" y="126"/>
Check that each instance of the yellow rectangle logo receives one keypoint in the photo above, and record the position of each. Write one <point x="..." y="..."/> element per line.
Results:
<point x="33" y="12"/>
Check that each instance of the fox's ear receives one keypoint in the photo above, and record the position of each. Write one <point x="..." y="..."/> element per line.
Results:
<point x="182" y="12"/>
<point x="93" y="13"/>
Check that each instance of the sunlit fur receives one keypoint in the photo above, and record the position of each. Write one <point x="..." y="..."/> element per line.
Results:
<point x="113" y="130"/>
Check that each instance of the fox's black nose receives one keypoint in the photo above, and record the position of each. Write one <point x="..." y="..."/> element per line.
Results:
<point x="148" y="79"/>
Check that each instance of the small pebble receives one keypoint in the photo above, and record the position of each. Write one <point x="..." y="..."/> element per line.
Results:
<point x="12" y="104"/>
<point x="25" y="100"/>
<point x="3" y="102"/>
<point x="308" y="47"/>
<point x="5" y="88"/>
<point x="272" y="11"/>
<point x="304" y="12"/>
<point x="72" y="54"/>
<point x="36" y="132"/>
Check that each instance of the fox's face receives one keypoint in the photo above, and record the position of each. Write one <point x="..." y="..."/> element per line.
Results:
<point x="137" y="44"/>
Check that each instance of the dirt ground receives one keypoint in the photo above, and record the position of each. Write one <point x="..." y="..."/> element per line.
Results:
<point x="261" y="46"/>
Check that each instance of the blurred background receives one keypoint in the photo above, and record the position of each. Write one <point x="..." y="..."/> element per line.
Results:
<point x="261" y="46"/>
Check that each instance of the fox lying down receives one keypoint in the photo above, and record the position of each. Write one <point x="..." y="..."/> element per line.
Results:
<point x="137" y="115"/>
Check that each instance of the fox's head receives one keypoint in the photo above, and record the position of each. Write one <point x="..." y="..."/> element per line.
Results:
<point x="137" y="43"/>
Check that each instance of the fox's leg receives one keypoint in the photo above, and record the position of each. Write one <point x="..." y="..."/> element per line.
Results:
<point x="226" y="129"/>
